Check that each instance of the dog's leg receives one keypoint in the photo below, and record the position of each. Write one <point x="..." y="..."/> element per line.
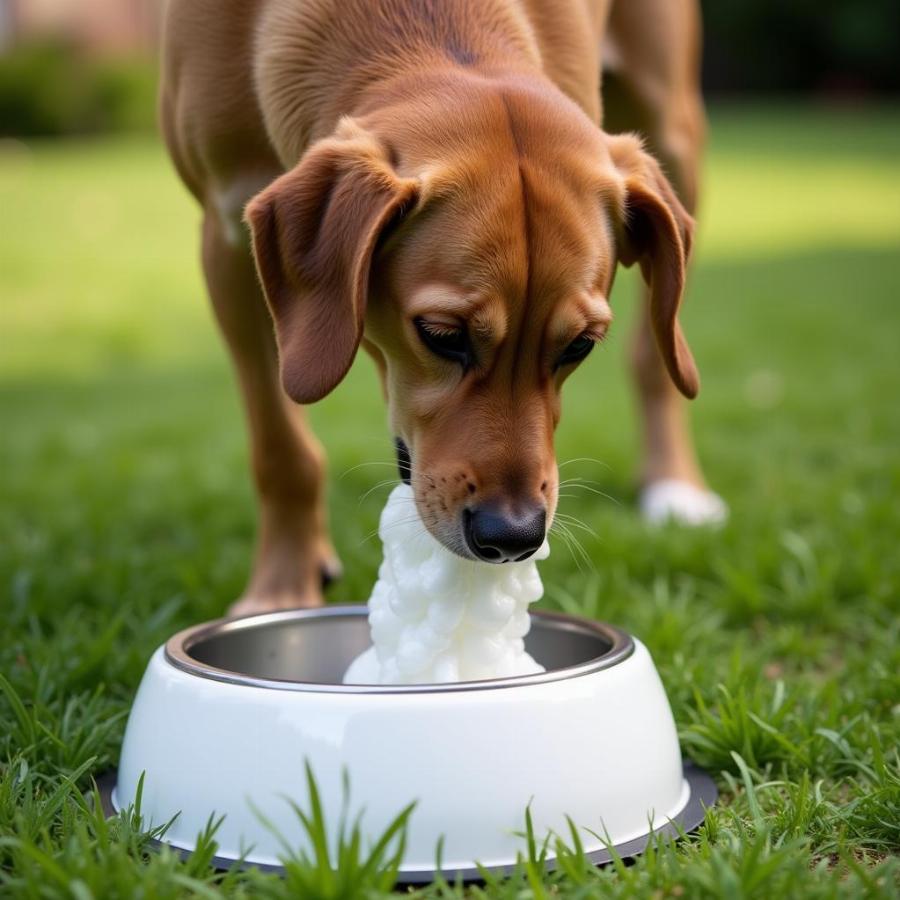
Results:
<point x="294" y="556"/>
<point x="656" y="92"/>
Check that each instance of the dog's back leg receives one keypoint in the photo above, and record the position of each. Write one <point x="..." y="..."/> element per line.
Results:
<point x="655" y="90"/>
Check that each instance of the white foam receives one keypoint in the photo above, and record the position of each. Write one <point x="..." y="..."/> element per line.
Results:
<point x="436" y="617"/>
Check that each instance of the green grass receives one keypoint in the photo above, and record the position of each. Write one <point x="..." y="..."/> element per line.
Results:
<point x="126" y="513"/>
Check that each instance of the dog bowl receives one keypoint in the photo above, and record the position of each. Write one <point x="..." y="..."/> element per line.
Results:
<point x="228" y="713"/>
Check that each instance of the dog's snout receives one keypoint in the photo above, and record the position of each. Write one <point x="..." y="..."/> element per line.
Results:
<point x="497" y="535"/>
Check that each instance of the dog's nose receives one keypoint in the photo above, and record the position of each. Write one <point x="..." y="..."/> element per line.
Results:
<point x="499" y="536"/>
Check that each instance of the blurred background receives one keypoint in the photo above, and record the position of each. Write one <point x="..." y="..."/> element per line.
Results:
<point x="86" y="66"/>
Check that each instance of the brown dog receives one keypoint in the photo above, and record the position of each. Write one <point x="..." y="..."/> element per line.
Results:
<point x="429" y="178"/>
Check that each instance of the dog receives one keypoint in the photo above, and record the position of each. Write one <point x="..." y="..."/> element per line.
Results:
<point x="449" y="184"/>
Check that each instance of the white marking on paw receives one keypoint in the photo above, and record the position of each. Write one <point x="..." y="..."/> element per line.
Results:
<point x="679" y="501"/>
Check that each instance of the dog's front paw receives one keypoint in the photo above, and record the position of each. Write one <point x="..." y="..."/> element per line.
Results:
<point x="671" y="500"/>
<point x="286" y="579"/>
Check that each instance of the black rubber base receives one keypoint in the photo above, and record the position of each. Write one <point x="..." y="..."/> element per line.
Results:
<point x="703" y="795"/>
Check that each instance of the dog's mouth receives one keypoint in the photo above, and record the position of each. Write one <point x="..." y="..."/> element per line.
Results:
<point x="404" y="464"/>
<point x="452" y="538"/>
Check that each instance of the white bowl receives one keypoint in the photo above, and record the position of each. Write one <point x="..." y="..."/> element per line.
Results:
<point x="228" y="712"/>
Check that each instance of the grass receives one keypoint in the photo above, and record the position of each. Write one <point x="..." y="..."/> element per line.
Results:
<point x="126" y="513"/>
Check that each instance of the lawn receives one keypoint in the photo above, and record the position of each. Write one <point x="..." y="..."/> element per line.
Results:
<point x="126" y="511"/>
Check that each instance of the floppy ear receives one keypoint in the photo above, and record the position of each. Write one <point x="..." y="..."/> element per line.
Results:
<point x="314" y="231"/>
<point x="657" y="232"/>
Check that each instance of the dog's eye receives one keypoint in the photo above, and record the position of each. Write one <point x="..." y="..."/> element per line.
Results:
<point x="577" y="350"/>
<point x="445" y="340"/>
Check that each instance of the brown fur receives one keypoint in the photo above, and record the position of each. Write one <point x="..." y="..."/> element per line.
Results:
<point x="436" y="159"/>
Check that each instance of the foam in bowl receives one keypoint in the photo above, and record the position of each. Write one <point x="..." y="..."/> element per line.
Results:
<point x="436" y="617"/>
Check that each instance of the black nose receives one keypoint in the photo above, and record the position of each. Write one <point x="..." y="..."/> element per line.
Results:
<point x="499" y="536"/>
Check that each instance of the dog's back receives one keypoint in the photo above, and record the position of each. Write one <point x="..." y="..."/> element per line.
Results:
<point x="225" y="62"/>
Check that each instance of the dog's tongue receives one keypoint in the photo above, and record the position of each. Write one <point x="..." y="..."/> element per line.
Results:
<point x="436" y="617"/>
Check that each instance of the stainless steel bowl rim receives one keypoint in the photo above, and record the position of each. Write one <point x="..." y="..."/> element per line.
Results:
<point x="178" y="647"/>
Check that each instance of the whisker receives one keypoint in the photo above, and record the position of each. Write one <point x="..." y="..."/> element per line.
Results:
<point x="563" y="529"/>
<point x="394" y="525"/>
<point x="577" y="523"/>
<point x="566" y="538"/>
<point x="589" y="459"/>
<point x="362" y="465"/>
<point x="409" y="521"/>
<point x="592" y="490"/>
<point x="579" y="479"/>
<point x="375" y="487"/>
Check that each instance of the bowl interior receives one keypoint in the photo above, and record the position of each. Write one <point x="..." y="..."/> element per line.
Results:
<point x="317" y="646"/>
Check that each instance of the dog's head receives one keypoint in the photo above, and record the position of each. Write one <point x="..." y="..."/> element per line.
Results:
<point x="473" y="250"/>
